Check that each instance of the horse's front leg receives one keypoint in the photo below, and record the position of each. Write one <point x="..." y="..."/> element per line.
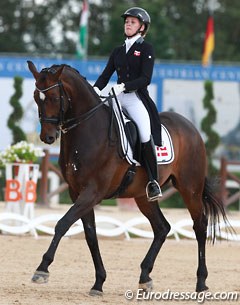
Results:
<point x="91" y="238"/>
<point x="77" y="211"/>
<point x="42" y="274"/>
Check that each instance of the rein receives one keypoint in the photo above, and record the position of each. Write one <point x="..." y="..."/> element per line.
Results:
<point x="74" y="122"/>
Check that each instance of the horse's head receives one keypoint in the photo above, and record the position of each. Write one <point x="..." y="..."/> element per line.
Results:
<point x="51" y="100"/>
<point x="64" y="98"/>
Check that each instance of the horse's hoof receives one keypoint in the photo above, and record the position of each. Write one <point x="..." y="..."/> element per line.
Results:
<point x="201" y="288"/>
<point x="40" y="277"/>
<point x="94" y="292"/>
<point x="148" y="286"/>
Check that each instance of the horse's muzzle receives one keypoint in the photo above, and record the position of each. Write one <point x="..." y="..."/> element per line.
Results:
<point x="49" y="138"/>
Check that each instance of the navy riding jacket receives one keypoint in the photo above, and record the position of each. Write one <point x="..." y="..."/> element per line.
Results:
<point x="134" y="69"/>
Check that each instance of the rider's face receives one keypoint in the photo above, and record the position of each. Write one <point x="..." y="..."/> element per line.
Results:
<point x="131" y="26"/>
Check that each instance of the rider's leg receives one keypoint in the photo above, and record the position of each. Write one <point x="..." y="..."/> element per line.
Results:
<point x="149" y="160"/>
<point x="139" y="114"/>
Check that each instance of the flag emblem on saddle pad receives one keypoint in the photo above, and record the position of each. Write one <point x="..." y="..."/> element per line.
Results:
<point x="161" y="151"/>
<point x="137" y="53"/>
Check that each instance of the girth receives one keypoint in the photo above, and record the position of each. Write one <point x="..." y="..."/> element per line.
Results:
<point x="126" y="181"/>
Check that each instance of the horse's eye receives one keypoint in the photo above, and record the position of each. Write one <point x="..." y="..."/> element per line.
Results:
<point x="55" y="99"/>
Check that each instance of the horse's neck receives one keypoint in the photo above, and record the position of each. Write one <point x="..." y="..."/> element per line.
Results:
<point x="88" y="142"/>
<point x="83" y="100"/>
<point x="93" y="126"/>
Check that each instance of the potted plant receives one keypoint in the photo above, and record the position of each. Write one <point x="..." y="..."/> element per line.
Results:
<point x="20" y="176"/>
<point x="21" y="152"/>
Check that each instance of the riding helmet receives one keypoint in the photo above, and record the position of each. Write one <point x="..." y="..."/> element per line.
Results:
<point x="141" y="14"/>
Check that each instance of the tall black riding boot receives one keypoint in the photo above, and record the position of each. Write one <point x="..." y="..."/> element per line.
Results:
<point x="149" y="161"/>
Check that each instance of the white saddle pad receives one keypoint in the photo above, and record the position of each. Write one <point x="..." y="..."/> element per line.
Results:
<point x="165" y="153"/>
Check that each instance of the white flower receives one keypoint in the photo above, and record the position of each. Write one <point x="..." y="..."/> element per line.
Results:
<point x="21" y="152"/>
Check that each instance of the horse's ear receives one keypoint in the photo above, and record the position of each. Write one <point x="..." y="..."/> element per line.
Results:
<point x="58" y="72"/>
<point x="33" y="69"/>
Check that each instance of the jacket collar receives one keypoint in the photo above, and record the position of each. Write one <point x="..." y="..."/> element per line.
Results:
<point x="130" y="42"/>
<point x="140" y="40"/>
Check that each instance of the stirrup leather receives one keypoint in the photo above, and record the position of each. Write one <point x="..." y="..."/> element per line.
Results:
<point x="155" y="196"/>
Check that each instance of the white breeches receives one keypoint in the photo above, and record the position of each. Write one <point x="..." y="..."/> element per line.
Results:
<point x="137" y="111"/>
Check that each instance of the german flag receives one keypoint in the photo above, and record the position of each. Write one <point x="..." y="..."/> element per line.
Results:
<point x="208" y="42"/>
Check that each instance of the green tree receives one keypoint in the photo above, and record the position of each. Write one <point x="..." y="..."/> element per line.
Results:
<point x="16" y="115"/>
<point x="213" y="138"/>
<point x="11" y="27"/>
<point x="177" y="30"/>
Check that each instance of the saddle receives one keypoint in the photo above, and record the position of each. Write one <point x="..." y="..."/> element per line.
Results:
<point x="130" y="146"/>
<point x="130" y="140"/>
<point x="132" y="135"/>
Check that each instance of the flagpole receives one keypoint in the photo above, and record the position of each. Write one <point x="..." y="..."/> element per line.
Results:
<point x="211" y="6"/>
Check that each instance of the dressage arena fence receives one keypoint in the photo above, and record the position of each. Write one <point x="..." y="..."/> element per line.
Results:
<point x="18" y="217"/>
<point x="13" y="223"/>
<point x="52" y="183"/>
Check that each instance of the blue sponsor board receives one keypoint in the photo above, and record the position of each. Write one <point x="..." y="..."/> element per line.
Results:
<point x="12" y="66"/>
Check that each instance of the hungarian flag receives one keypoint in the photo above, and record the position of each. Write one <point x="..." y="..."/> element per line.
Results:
<point x="83" y="32"/>
<point x="208" y="42"/>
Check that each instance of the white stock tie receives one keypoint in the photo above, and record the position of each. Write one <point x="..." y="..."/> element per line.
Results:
<point x="128" y="45"/>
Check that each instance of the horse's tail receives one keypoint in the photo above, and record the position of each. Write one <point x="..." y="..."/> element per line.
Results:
<point x="213" y="209"/>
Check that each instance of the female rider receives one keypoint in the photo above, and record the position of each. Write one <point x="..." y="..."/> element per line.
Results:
<point x="133" y="63"/>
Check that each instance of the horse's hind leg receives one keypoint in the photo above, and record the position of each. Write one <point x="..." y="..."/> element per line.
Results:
<point x="194" y="203"/>
<point x="200" y="228"/>
<point x="160" y="228"/>
<point x="91" y="238"/>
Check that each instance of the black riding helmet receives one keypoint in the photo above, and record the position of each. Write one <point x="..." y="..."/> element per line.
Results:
<point x="142" y="16"/>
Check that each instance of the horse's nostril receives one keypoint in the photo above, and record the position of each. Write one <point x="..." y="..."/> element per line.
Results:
<point x="49" y="139"/>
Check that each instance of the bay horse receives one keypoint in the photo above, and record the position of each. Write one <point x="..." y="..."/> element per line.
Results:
<point x="93" y="168"/>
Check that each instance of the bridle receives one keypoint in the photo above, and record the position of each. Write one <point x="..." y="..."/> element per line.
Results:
<point x="65" y="125"/>
<point x="42" y="114"/>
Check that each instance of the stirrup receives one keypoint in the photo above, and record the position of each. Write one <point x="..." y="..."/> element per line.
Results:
<point x="157" y="194"/>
